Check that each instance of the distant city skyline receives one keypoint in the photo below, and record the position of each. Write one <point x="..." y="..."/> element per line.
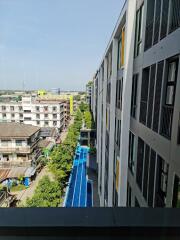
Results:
<point x="48" y="44"/>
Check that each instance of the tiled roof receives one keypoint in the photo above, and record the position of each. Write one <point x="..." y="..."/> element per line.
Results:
<point x="17" y="130"/>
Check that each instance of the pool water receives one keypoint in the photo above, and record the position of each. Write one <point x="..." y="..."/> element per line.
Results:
<point x="79" y="191"/>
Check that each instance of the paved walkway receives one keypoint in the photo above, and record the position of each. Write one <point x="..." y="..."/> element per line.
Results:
<point x="29" y="192"/>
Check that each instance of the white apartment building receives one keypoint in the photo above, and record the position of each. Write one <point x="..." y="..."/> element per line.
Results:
<point x="36" y="112"/>
<point x="18" y="144"/>
<point x="136" y="106"/>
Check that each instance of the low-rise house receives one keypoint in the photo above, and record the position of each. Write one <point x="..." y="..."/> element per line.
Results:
<point x="18" y="144"/>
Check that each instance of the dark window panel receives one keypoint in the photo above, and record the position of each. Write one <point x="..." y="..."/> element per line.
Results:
<point x="157" y="21"/>
<point x="134" y="96"/>
<point x="175" y="15"/>
<point x="151" y="178"/>
<point x="176" y="193"/>
<point x="144" y="95"/>
<point x="149" y="24"/>
<point x="151" y="95"/>
<point x="157" y="100"/>
<point x="146" y="171"/>
<point x="140" y="157"/>
<point x="164" y="21"/>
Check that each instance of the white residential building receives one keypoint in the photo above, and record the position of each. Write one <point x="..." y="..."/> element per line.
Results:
<point x="39" y="113"/>
<point x="136" y="106"/>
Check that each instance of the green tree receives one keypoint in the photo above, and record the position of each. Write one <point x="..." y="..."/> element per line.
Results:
<point x="47" y="194"/>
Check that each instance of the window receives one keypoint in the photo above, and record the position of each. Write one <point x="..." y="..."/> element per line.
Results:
<point x="119" y="53"/>
<point x="12" y="115"/>
<point x="45" y="115"/>
<point x="122" y="47"/>
<point x="174" y="15"/>
<point x="108" y="94"/>
<point x="151" y="183"/>
<point x="21" y="115"/>
<point x="4" y="115"/>
<point x="134" y="96"/>
<point x="3" y="108"/>
<point x="109" y="64"/>
<point x="178" y="137"/>
<point x="27" y="111"/>
<point x="157" y="99"/>
<point x="146" y="171"/>
<point x="12" y="108"/>
<point x="45" y="108"/>
<point x="118" y="133"/>
<point x="151" y="96"/>
<point x="144" y="95"/>
<point x="37" y="108"/>
<point x="27" y="118"/>
<point x="20" y="108"/>
<point x="138" y="35"/>
<point x="46" y="123"/>
<point x="171" y="83"/>
<point x="157" y="21"/>
<point x="176" y="193"/>
<point x="129" y="191"/>
<point x="131" y="158"/>
<point x="4" y="143"/>
<point x="140" y="159"/>
<point x="168" y="107"/>
<point x="38" y="116"/>
<point x="54" y="123"/>
<point x="149" y="24"/>
<point x="54" y="108"/>
<point x="119" y="92"/>
<point x="54" y="115"/>
<point x="19" y="142"/>
<point x="38" y="122"/>
<point x="161" y="179"/>
<point x="164" y="19"/>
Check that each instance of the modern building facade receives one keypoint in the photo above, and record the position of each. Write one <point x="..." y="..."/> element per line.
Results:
<point x="136" y="105"/>
<point x="88" y="92"/>
<point x="35" y="111"/>
<point x="18" y="144"/>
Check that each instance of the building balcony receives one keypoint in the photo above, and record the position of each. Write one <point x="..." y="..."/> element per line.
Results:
<point x="89" y="223"/>
<point x="15" y="150"/>
<point x="18" y="163"/>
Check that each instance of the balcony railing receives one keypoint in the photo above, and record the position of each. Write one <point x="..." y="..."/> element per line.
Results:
<point x="15" y="149"/>
<point x="20" y="163"/>
<point x="90" y="223"/>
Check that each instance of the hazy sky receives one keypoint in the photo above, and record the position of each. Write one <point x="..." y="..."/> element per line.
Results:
<point x="53" y="43"/>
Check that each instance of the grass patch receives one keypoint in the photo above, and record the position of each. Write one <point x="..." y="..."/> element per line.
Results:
<point x="19" y="187"/>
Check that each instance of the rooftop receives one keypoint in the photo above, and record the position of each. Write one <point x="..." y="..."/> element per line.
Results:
<point x="17" y="130"/>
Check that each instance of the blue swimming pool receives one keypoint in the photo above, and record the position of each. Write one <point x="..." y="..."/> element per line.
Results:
<point x="79" y="191"/>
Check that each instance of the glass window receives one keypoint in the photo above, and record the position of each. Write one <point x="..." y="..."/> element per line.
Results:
<point x="18" y="142"/>
<point x="131" y="159"/>
<point x="134" y="96"/>
<point x="138" y="35"/>
<point x="4" y="143"/>
<point x="174" y="15"/>
<point x="12" y="108"/>
<point x="122" y="47"/>
<point x="176" y="193"/>
<point x="171" y="83"/>
<point x="119" y="53"/>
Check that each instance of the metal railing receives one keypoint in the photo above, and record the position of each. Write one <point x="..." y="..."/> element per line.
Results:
<point x="90" y="223"/>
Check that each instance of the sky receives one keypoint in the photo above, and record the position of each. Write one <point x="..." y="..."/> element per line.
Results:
<point x="46" y="44"/>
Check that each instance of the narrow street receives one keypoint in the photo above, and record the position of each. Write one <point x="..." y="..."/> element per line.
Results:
<point x="24" y="194"/>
